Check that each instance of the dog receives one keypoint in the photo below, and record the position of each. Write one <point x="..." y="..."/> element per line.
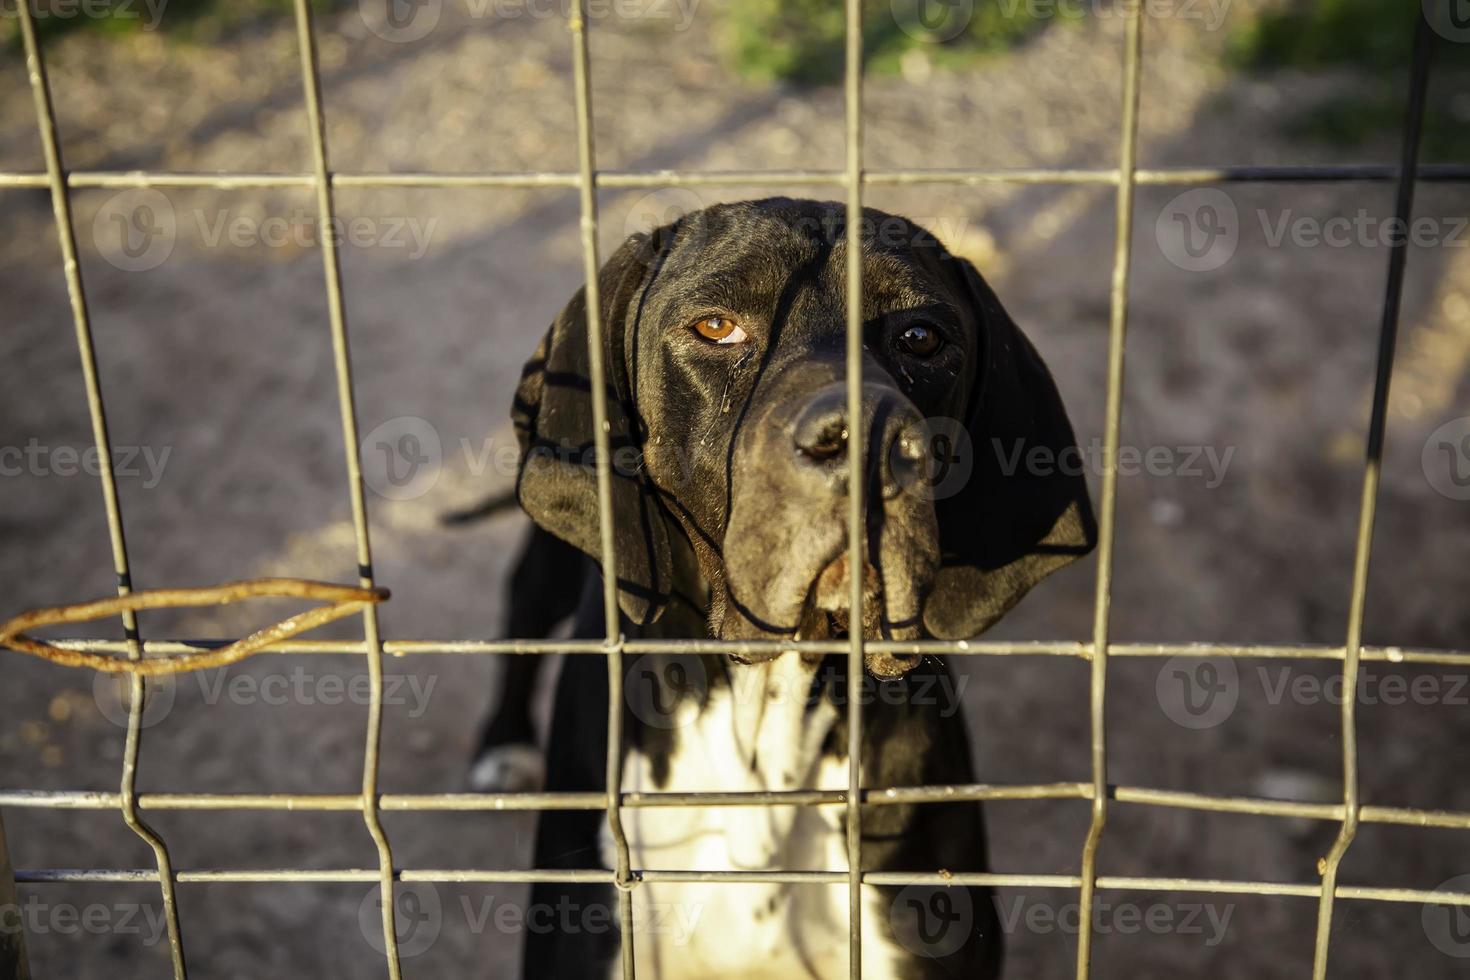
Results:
<point x="724" y="351"/>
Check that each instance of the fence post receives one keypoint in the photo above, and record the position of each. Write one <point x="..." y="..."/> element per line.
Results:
<point x="12" y="929"/>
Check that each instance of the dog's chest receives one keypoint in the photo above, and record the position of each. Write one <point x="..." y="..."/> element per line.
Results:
<point x="758" y="734"/>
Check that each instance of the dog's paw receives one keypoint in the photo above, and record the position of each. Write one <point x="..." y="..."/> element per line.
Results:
<point x="514" y="768"/>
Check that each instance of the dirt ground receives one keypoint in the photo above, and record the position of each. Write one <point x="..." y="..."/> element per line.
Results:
<point x="1251" y="379"/>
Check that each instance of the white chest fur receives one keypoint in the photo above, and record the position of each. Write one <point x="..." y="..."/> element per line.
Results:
<point x="758" y="734"/>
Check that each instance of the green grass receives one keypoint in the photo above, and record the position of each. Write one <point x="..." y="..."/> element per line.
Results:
<point x="1374" y="38"/>
<point x="801" y="41"/>
<point x="1372" y="34"/>
<point x="201" y="20"/>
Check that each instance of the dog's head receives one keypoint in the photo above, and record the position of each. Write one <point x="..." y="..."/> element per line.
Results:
<point x="724" y="346"/>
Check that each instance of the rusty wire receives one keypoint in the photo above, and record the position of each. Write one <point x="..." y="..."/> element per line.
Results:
<point x="343" y="600"/>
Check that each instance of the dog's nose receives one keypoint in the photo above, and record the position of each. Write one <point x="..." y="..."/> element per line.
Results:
<point x="895" y="442"/>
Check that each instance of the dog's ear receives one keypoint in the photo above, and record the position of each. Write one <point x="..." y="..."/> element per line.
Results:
<point x="557" y="482"/>
<point x="1024" y="512"/>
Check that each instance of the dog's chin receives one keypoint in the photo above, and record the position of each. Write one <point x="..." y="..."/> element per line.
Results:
<point x="826" y="615"/>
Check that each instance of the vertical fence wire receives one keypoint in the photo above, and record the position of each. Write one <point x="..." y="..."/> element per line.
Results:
<point x="1108" y="506"/>
<point x="82" y="323"/>
<point x="1373" y="464"/>
<point x="623" y="880"/>
<point x="13" y="962"/>
<point x="852" y="83"/>
<point x="337" y="321"/>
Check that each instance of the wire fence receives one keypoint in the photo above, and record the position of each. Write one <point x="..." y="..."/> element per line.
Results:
<point x="1349" y="814"/>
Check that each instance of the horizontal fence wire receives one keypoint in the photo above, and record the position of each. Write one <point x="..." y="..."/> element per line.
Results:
<point x="587" y="179"/>
<point x="1291" y="174"/>
<point x="907" y="795"/>
<point x="1418" y="656"/>
<point x="1216" y="886"/>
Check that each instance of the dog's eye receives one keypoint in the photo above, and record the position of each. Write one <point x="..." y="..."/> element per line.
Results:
<point x="720" y="330"/>
<point x="920" y="340"/>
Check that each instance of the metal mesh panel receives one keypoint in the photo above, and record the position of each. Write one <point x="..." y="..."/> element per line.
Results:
<point x="1349" y="814"/>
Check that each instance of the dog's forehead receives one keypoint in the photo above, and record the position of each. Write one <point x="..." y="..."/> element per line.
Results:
<point x="759" y="248"/>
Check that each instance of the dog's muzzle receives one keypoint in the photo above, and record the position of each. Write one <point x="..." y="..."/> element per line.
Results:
<point x="787" y="555"/>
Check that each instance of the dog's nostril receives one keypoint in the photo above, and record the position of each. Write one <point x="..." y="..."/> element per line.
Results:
<point x="825" y="441"/>
<point x="908" y="449"/>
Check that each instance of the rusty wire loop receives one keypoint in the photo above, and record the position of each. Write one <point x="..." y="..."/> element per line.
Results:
<point x="344" y="600"/>
<point x="139" y="658"/>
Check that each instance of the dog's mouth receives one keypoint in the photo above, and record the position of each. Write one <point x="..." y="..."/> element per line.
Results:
<point x="827" y="615"/>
